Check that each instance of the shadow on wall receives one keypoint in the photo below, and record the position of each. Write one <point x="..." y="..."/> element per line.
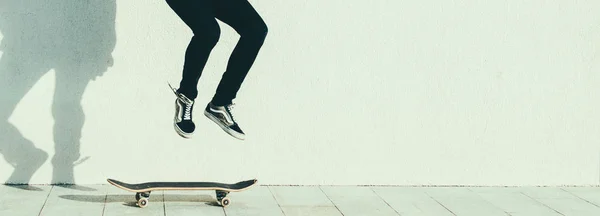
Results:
<point x="74" y="38"/>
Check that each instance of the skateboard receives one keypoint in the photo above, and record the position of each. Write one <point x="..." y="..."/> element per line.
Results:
<point x="143" y="190"/>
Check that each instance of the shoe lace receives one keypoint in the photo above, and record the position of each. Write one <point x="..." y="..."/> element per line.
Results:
<point x="229" y="108"/>
<point x="187" y="115"/>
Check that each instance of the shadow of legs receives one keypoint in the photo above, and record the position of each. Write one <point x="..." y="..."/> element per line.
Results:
<point x="16" y="79"/>
<point x="74" y="37"/>
<point x="21" y="154"/>
<point x="68" y="122"/>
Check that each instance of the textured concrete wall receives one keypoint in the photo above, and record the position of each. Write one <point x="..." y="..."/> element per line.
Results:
<point x="343" y="92"/>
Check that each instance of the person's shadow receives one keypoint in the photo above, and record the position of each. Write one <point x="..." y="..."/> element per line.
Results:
<point x="75" y="38"/>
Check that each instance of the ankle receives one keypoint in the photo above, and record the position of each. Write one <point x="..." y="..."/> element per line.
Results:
<point x="219" y="103"/>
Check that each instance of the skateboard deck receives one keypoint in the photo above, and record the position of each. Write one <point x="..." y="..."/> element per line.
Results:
<point x="143" y="190"/>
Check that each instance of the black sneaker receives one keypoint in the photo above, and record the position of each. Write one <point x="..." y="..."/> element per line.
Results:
<point x="184" y="107"/>
<point x="224" y="118"/>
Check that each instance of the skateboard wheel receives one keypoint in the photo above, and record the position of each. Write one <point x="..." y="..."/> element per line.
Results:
<point x="143" y="202"/>
<point x="138" y="196"/>
<point x="225" y="202"/>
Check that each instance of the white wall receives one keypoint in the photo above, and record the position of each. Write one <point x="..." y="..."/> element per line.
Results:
<point x="343" y="92"/>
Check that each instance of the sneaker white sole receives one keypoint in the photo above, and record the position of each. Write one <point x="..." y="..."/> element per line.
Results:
<point x="225" y="128"/>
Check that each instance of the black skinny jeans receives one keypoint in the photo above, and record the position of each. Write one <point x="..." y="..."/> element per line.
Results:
<point x="200" y="16"/>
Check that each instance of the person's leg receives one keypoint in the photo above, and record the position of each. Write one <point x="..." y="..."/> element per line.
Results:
<point x="199" y="16"/>
<point x="242" y="17"/>
<point x="245" y="20"/>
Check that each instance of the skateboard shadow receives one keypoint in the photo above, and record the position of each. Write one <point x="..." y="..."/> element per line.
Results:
<point x="76" y="187"/>
<point x="73" y="38"/>
<point x="129" y="200"/>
